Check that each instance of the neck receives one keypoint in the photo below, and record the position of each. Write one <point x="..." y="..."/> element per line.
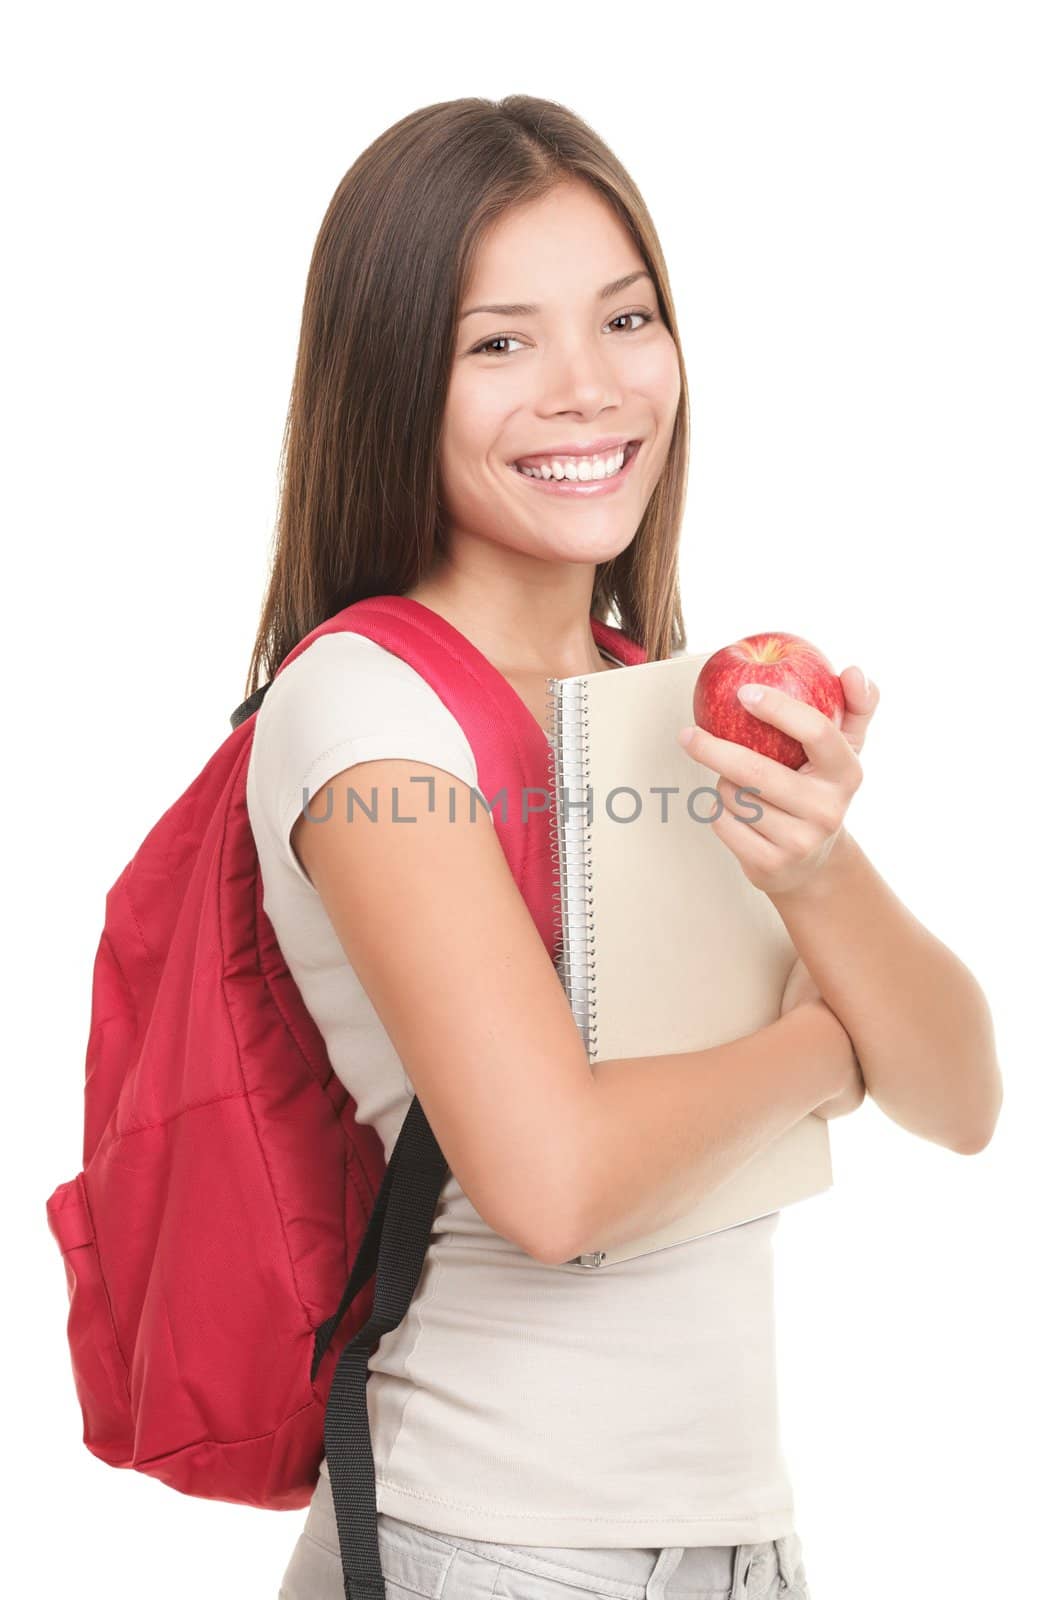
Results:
<point x="522" y="630"/>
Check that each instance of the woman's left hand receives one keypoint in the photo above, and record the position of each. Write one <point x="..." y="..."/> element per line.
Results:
<point x="803" y="810"/>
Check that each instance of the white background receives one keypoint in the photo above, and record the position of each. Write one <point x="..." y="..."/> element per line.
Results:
<point x="857" y="208"/>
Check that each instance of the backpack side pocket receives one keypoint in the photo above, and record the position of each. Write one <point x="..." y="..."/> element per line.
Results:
<point x="100" y="1371"/>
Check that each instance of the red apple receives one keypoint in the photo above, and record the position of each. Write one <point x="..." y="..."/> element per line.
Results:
<point x="782" y="660"/>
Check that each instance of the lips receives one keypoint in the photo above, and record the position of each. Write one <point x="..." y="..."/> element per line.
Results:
<point x="547" y="456"/>
<point x="576" y="488"/>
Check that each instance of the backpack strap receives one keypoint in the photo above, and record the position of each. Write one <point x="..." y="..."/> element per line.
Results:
<point x="249" y="706"/>
<point x="394" y="1247"/>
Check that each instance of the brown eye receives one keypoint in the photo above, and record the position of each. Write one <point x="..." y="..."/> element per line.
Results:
<point x="498" y="338"/>
<point x="645" y="316"/>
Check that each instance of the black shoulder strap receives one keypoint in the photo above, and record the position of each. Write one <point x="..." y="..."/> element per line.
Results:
<point x="394" y="1245"/>
<point x="248" y="707"/>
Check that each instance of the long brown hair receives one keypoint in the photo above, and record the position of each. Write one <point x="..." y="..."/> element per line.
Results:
<point x="360" y="510"/>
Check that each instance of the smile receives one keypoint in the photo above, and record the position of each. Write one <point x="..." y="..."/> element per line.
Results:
<point x="580" y="475"/>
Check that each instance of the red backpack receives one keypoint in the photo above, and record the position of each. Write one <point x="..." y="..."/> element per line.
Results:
<point x="231" y="1212"/>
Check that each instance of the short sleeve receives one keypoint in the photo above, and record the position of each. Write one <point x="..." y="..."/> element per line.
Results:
<point x="344" y="700"/>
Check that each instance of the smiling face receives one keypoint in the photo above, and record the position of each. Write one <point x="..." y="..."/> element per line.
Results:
<point x="570" y="356"/>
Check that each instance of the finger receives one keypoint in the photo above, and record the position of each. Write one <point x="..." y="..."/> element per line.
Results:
<point x="797" y="792"/>
<point x="759" y="858"/>
<point x="860" y="702"/>
<point x="825" y="745"/>
<point x="792" y="835"/>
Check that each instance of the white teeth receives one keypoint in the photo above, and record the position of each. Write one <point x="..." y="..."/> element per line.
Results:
<point x="582" y="469"/>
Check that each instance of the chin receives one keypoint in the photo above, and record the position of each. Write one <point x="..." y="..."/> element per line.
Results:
<point x="585" y="548"/>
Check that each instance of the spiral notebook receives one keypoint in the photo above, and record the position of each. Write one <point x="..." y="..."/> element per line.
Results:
<point x="664" y="944"/>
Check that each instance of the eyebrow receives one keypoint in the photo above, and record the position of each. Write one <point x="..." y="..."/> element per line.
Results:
<point x="531" y="311"/>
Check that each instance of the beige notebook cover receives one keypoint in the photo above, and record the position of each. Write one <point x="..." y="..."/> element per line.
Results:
<point x="665" y="944"/>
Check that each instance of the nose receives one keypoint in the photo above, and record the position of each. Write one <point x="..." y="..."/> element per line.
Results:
<point x="578" y="377"/>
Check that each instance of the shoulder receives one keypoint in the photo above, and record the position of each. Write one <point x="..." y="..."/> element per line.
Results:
<point x="345" y="699"/>
<point x="338" y="662"/>
<point x="345" y="684"/>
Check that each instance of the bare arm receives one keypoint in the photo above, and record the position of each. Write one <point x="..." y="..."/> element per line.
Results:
<point x="922" y="1027"/>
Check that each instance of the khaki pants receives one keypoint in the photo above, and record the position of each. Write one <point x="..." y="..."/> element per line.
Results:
<point x="419" y="1564"/>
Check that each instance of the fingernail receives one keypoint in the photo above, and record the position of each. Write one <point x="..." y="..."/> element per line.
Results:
<point x="865" y="681"/>
<point x="750" y="693"/>
<point x="685" y="735"/>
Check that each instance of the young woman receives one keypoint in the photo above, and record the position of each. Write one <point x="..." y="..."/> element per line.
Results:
<point x="486" y="292"/>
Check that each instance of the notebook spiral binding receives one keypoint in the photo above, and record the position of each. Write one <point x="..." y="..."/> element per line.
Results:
<point x="568" y="756"/>
<point x="569" y="769"/>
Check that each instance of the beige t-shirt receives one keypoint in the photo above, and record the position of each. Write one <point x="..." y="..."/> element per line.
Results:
<point x="632" y="1405"/>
